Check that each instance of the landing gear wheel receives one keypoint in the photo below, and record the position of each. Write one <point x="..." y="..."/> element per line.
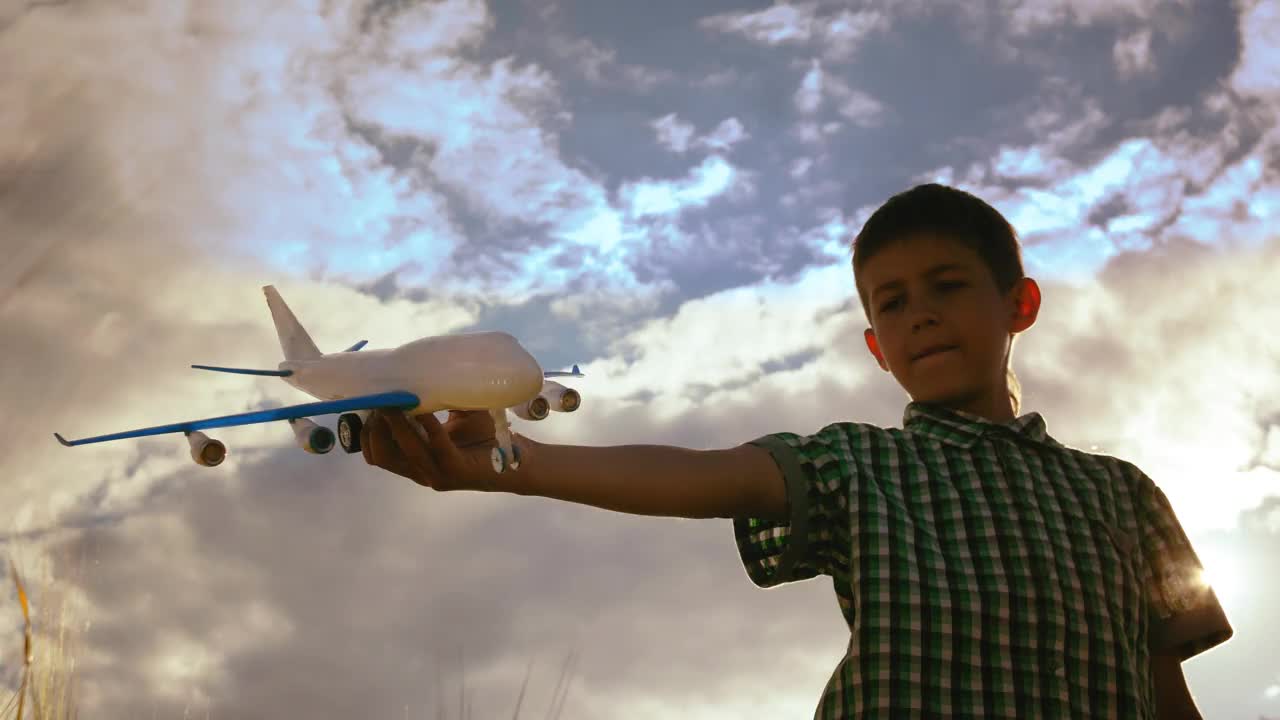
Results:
<point x="349" y="427"/>
<point x="499" y="460"/>
<point x="498" y="457"/>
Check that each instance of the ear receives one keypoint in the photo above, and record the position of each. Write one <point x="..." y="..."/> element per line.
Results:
<point x="874" y="347"/>
<point x="1026" y="304"/>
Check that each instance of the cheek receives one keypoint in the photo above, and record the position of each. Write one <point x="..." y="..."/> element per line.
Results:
<point x="892" y="348"/>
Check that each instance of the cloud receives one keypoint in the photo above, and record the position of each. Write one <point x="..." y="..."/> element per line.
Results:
<point x="857" y="106"/>
<point x="728" y="133"/>
<point x="256" y="159"/>
<point x="1132" y="54"/>
<point x="673" y="133"/>
<point x="837" y="34"/>
<point x="480" y="129"/>
<point x="315" y="147"/>
<point x="658" y="353"/>
<point x="584" y="57"/>
<point x="781" y="23"/>
<point x="808" y="97"/>
<point x="678" y="136"/>
<point x="844" y="32"/>
<point x="818" y="88"/>
<point x="1257" y="73"/>
<point x="1026" y="16"/>
<point x="711" y="178"/>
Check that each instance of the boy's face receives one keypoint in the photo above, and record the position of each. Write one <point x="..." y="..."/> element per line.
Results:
<point x="927" y="291"/>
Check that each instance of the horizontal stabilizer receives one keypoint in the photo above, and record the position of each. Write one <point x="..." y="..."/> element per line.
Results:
<point x="560" y="373"/>
<point x="245" y="371"/>
<point x="398" y="399"/>
<point x="357" y="346"/>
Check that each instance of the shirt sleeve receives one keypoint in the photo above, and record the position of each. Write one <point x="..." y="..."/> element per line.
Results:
<point x="1186" y="617"/>
<point x="814" y="539"/>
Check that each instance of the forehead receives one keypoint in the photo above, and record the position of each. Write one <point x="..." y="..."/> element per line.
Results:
<point x="913" y="257"/>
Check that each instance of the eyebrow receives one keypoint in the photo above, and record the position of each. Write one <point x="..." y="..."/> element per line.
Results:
<point x="935" y="270"/>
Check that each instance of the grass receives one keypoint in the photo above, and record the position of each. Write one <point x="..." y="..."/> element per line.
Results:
<point x="558" y="697"/>
<point x="46" y="688"/>
<point x="47" y="680"/>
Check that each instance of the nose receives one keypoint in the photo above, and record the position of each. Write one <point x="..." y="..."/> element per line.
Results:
<point x="923" y="317"/>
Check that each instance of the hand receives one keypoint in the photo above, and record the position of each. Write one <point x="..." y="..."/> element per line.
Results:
<point x="455" y="456"/>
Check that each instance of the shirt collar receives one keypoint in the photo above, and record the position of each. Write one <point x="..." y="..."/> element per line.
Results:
<point x="963" y="429"/>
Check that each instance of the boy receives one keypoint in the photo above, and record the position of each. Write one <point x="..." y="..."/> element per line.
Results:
<point x="984" y="569"/>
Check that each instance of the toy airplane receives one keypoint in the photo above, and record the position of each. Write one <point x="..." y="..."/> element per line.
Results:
<point x="472" y="371"/>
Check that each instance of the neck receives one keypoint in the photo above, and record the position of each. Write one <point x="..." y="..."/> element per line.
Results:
<point x="996" y="407"/>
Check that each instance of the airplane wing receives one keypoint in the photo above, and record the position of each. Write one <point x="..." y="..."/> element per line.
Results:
<point x="575" y="372"/>
<point x="398" y="399"/>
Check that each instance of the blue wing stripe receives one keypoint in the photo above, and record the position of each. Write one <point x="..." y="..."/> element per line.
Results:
<point x="398" y="399"/>
<point x="245" y="371"/>
<point x="357" y="346"/>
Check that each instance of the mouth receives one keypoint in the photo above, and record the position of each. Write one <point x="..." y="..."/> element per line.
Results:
<point x="931" y="351"/>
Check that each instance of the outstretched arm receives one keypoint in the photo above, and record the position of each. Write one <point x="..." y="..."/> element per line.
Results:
<point x="657" y="480"/>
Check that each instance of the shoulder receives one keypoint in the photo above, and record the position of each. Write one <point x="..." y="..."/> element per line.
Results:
<point x="1117" y="483"/>
<point x="1123" y="474"/>
<point x="841" y="438"/>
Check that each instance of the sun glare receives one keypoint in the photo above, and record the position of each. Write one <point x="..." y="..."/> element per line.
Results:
<point x="1222" y="572"/>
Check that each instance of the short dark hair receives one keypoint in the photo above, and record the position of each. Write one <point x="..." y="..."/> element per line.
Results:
<point x="949" y="212"/>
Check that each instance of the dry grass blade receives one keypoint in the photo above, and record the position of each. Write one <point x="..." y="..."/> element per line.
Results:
<point x="26" y="638"/>
<point x="50" y="682"/>
<point x="562" y="687"/>
<point x="523" y="687"/>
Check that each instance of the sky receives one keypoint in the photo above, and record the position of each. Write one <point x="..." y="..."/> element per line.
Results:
<point x="662" y="193"/>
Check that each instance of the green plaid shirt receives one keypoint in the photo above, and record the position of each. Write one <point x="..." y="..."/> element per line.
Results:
<point x="985" y="570"/>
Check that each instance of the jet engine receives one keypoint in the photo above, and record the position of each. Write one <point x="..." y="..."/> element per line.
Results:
<point x="312" y="437"/>
<point x="536" y="409"/>
<point x="205" y="450"/>
<point x="561" y="398"/>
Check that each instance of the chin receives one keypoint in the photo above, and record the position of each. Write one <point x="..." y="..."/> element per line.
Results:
<point x="943" y="395"/>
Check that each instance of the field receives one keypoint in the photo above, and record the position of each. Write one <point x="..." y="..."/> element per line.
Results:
<point x="41" y="684"/>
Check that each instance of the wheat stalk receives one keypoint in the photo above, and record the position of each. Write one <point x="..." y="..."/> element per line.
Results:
<point x="26" y="641"/>
<point x="50" y="682"/>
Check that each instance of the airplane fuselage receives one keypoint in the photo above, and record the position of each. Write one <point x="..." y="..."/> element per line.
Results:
<point x="472" y="371"/>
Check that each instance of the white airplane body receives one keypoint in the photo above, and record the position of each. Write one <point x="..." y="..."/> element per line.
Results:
<point x="485" y="370"/>
<point x="473" y="371"/>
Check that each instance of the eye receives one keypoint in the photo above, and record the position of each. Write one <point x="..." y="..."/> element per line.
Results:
<point x="950" y="285"/>
<point x="891" y="305"/>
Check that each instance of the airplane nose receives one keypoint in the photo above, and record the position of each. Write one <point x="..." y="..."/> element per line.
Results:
<point x="533" y="371"/>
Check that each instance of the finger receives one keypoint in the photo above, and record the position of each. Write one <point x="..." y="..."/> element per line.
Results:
<point x="366" y="437"/>
<point x="411" y="445"/>
<point x="381" y="445"/>
<point x="440" y="440"/>
<point x="473" y="423"/>
<point x="430" y="423"/>
<point x="433" y="427"/>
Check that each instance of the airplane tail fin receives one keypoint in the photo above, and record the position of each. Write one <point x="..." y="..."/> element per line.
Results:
<point x="294" y="340"/>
